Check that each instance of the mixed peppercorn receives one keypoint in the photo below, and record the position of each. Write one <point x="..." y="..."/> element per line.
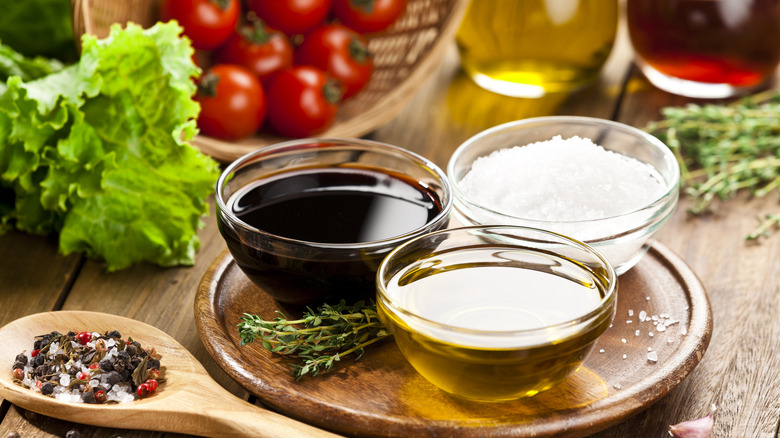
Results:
<point x="90" y="365"/>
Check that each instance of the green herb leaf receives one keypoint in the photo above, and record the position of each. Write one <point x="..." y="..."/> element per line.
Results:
<point x="320" y="338"/>
<point x="723" y="149"/>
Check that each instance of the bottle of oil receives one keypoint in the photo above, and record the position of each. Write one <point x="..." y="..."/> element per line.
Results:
<point x="529" y="48"/>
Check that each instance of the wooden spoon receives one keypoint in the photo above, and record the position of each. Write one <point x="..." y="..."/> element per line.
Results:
<point x="189" y="402"/>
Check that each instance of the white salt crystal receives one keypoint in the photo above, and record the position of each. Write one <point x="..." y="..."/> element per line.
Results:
<point x="647" y="298"/>
<point x="630" y="312"/>
<point x="64" y="379"/>
<point x="62" y="396"/>
<point x="624" y="357"/>
<point x="652" y="356"/>
<point x="629" y="321"/>
<point x="650" y="333"/>
<point x="617" y="386"/>
<point x="561" y="180"/>
<point x="684" y="331"/>
<point x="660" y="327"/>
<point x="601" y="351"/>
<point x="624" y="340"/>
<point x="636" y="333"/>
<point x="649" y="348"/>
<point x="642" y="316"/>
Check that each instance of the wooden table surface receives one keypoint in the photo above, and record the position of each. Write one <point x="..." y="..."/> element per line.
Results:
<point x="740" y="371"/>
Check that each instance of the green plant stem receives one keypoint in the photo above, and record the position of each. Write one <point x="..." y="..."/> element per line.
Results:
<point x="722" y="149"/>
<point x="320" y="338"/>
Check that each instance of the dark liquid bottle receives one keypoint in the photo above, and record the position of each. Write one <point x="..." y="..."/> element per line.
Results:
<point x="731" y="42"/>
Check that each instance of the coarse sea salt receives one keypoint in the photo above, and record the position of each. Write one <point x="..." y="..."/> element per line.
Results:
<point x="561" y="180"/>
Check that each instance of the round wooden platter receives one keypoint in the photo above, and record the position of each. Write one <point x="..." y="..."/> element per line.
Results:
<point x="382" y="395"/>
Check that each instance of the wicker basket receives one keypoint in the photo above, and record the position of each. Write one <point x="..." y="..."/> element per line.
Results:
<point x="404" y="57"/>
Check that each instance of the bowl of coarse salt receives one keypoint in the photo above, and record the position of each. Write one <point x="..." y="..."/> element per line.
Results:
<point x="604" y="183"/>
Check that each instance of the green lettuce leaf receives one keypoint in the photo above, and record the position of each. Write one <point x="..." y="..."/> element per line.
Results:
<point x="99" y="151"/>
<point x="38" y="28"/>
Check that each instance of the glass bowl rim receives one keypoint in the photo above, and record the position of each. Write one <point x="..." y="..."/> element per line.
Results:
<point x="667" y="196"/>
<point x="448" y="196"/>
<point x="606" y="304"/>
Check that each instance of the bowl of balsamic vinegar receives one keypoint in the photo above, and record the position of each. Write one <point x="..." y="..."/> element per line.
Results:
<point x="310" y="220"/>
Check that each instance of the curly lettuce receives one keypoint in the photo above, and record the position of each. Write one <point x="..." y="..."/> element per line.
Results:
<point x="98" y="151"/>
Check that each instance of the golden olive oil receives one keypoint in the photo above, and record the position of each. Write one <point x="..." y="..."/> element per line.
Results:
<point x="495" y="323"/>
<point x="528" y="48"/>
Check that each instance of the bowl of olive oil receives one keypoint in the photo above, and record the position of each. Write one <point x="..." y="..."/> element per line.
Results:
<point x="495" y="313"/>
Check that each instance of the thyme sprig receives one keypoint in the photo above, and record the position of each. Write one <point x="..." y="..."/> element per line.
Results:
<point x="723" y="149"/>
<point x="319" y="338"/>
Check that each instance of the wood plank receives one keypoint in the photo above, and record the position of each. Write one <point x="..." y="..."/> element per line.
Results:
<point x="741" y="368"/>
<point x="33" y="276"/>
<point x="29" y="424"/>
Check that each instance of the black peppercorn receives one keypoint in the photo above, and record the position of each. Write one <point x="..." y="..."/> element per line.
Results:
<point x="88" y="397"/>
<point x="47" y="388"/>
<point x="106" y="365"/>
<point x="132" y="350"/>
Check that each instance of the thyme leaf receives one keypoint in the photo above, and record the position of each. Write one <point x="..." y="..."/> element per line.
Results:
<point x="319" y="338"/>
<point x="722" y="149"/>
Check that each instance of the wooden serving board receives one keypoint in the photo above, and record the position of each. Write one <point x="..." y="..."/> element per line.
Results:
<point x="382" y="395"/>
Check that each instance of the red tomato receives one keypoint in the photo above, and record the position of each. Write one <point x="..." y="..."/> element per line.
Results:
<point x="207" y="23"/>
<point x="232" y="102"/>
<point x="340" y="52"/>
<point x="291" y="16"/>
<point x="302" y="100"/>
<point x="368" y="16"/>
<point x="262" y="50"/>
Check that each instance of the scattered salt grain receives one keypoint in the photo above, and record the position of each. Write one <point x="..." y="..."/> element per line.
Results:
<point x="660" y="327"/>
<point x="652" y="356"/>
<point x="624" y="357"/>
<point x="630" y="312"/>
<point x="684" y="331"/>
<point x="636" y="333"/>
<point x="629" y="321"/>
<point x="647" y="298"/>
<point x="642" y="316"/>
<point x="617" y="386"/>
<point x="650" y="334"/>
<point x="561" y="180"/>
<point x="624" y="340"/>
<point x="601" y="351"/>
<point x="649" y="348"/>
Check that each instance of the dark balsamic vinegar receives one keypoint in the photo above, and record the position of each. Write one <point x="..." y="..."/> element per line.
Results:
<point x="336" y="206"/>
<point x="319" y="208"/>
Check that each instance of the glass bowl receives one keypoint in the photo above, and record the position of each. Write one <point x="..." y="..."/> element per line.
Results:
<point x="495" y="313"/>
<point x="613" y="216"/>
<point x="310" y="220"/>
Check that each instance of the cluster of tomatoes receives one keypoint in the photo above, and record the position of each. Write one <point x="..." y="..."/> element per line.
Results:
<point x="284" y="64"/>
